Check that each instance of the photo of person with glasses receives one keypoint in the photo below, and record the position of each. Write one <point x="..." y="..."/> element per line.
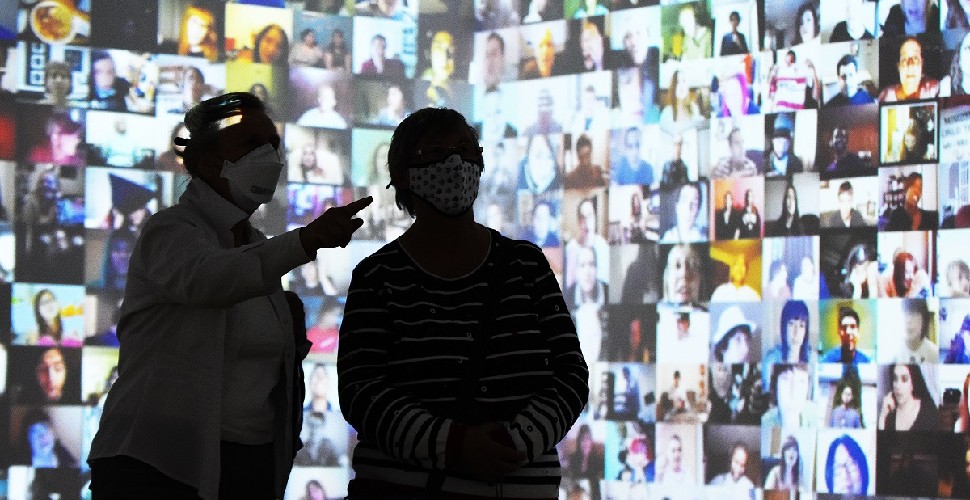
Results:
<point x="914" y="83"/>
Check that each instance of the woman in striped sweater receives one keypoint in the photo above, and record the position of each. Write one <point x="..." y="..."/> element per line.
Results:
<point x="459" y="365"/>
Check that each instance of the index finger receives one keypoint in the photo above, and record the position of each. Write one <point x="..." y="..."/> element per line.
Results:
<point x="358" y="205"/>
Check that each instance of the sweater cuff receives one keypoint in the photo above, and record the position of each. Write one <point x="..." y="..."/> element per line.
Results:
<point x="517" y="435"/>
<point x="456" y="436"/>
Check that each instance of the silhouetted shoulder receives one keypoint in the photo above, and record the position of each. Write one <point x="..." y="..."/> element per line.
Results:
<point x="386" y="255"/>
<point x="525" y="246"/>
<point x="523" y="251"/>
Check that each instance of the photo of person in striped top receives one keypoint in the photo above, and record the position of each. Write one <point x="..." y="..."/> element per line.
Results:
<point x="458" y="363"/>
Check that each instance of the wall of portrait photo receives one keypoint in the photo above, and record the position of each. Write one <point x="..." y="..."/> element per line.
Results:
<point x="757" y="211"/>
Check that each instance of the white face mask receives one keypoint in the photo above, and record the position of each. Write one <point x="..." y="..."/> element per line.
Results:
<point x="450" y="186"/>
<point x="253" y="178"/>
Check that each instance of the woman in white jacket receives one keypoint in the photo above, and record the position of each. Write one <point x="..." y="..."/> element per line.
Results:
<point x="204" y="402"/>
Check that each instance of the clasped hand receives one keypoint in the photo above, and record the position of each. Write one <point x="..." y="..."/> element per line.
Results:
<point x="335" y="227"/>
<point x="487" y="453"/>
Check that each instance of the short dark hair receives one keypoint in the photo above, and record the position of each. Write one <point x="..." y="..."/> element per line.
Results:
<point x="407" y="134"/>
<point x="845" y="187"/>
<point x="100" y="55"/>
<point x="845" y="61"/>
<point x="378" y="37"/>
<point x="734" y="15"/>
<point x="583" y="141"/>
<point x="846" y="311"/>
<point x="306" y="32"/>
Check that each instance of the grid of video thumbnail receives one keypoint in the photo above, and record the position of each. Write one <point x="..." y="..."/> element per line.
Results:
<point x="758" y="211"/>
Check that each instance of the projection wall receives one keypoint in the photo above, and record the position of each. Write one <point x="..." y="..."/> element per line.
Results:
<point x="759" y="212"/>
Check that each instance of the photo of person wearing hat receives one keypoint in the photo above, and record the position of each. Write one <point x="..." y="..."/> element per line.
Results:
<point x="129" y="204"/>
<point x="781" y="161"/>
<point x="119" y="218"/>
<point x="734" y="336"/>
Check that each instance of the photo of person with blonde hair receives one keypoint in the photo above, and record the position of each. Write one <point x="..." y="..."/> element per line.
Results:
<point x="197" y="36"/>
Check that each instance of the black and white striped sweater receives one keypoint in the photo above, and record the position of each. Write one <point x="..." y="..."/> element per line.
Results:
<point x="407" y="340"/>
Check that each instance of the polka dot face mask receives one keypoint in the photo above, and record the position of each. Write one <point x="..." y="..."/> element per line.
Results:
<point x="450" y="186"/>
